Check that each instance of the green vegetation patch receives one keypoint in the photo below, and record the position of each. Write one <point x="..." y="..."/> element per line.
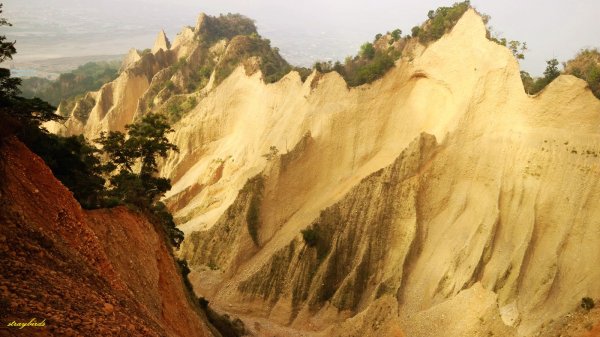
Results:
<point x="243" y="47"/>
<point x="587" y="303"/>
<point x="225" y="27"/>
<point x="586" y="65"/>
<point x="316" y="237"/>
<point x="440" y="21"/>
<point x="533" y="86"/>
<point x="310" y="237"/>
<point x="177" y="106"/>
<point x="88" y="77"/>
<point x="371" y="63"/>
<point x="376" y="58"/>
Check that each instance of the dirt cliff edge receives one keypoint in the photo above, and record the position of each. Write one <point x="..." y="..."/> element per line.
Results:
<point x="79" y="272"/>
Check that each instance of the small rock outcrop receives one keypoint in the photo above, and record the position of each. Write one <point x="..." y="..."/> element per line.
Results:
<point x="161" y="42"/>
<point x="200" y="22"/>
<point x="130" y="59"/>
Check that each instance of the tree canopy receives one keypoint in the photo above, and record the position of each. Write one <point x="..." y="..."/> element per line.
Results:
<point x="551" y="71"/>
<point x="586" y="65"/>
<point x="533" y="86"/>
<point x="132" y="169"/>
<point x="7" y="48"/>
<point x="440" y="21"/>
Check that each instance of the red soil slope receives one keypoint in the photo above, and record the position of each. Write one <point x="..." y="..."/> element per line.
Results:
<point x="100" y="273"/>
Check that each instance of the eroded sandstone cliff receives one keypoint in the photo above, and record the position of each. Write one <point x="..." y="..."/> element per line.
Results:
<point x="493" y="234"/>
<point x="440" y="200"/>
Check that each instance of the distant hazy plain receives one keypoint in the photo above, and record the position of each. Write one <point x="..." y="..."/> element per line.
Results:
<point x="305" y="32"/>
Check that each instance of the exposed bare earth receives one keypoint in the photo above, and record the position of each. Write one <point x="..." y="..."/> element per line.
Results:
<point x="61" y="265"/>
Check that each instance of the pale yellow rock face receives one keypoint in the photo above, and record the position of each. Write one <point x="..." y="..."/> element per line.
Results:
<point x="116" y="103"/>
<point x="130" y="60"/>
<point x="443" y="197"/>
<point x="502" y="201"/>
<point x="183" y="43"/>
<point x="161" y="42"/>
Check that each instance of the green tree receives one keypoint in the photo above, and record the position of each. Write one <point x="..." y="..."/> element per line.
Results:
<point x="550" y="74"/>
<point x="323" y="67"/>
<point x="132" y="169"/>
<point x="7" y="48"/>
<point x="367" y="50"/>
<point x="396" y="34"/>
<point x="122" y="156"/>
<point x="587" y="303"/>
<point x="373" y="70"/>
<point x="441" y="21"/>
<point x="586" y="65"/>
<point x="518" y="49"/>
<point x="415" y="31"/>
<point x="310" y="236"/>
<point x="163" y="216"/>
<point x="133" y="166"/>
<point x="149" y="137"/>
<point x="551" y="71"/>
<point x="73" y="161"/>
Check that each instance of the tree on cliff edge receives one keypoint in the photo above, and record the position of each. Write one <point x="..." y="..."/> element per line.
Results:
<point x="133" y="168"/>
<point x="76" y="163"/>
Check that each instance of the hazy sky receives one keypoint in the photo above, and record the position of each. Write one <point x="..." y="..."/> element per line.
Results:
<point x="304" y="31"/>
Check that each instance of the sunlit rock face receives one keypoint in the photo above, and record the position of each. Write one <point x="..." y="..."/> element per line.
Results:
<point x="440" y="200"/>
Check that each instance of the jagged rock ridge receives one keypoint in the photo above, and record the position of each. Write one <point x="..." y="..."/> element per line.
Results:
<point x="172" y="79"/>
<point x="487" y="219"/>
<point x="161" y="42"/>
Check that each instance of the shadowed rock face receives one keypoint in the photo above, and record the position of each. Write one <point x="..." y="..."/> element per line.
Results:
<point x="440" y="200"/>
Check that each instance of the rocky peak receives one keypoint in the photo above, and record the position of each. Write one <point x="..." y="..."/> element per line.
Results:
<point x="471" y="24"/>
<point x="200" y="21"/>
<point x="161" y="42"/>
<point x="132" y="57"/>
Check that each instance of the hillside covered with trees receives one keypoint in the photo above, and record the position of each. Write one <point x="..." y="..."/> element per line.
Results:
<point x="72" y="85"/>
